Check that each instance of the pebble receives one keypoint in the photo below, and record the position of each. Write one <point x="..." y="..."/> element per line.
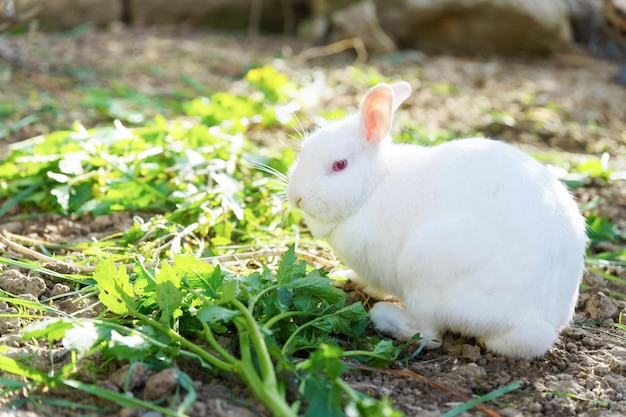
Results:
<point x="470" y="352"/>
<point x="139" y="374"/>
<point x="14" y="282"/>
<point x="601" y="307"/>
<point x="59" y="289"/>
<point x="160" y="385"/>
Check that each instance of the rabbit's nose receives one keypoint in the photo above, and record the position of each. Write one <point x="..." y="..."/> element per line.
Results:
<point x="298" y="201"/>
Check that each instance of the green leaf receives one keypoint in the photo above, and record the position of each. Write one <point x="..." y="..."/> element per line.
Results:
<point x="318" y="385"/>
<point x="11" y="385"/>
<point x="200" y="275"/>
<point x="51" y="329"/>
<point x="289" y="268"/>
<point x="600" y="229"/>
<point x="12" y="366"/>
<point x="272" y="83"/>
<point x="319" y="286"/>
<point x="116" y="292"/>
<point x="324" y="399"/>
<point x="168" y="294"/>
<point x="342" y="320"/>
<point x="370" y="407"/>
<point x="596" y="167"/>
<point x="325" y="360"/>
<point x="386" y="348"/>
<point x="214" y="314"/>
<point x="229" y="291"/>
<point x="383" y="353"/>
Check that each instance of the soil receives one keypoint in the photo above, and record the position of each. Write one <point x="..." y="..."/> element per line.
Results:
<point x="565" y="103"/>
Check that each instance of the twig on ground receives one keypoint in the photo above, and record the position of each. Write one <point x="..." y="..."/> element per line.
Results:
<point x="8" y="239"/>
<point x="334" y="48"/>
<point x="34" y="255"/>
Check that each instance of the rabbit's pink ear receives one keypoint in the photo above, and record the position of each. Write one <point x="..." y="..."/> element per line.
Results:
<point x="376" y="113"/>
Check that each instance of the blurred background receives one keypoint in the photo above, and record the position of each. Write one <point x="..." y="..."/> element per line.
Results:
<point x="452" y="26"/>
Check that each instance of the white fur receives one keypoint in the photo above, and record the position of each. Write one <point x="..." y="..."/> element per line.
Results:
<point x="473" y="236"/>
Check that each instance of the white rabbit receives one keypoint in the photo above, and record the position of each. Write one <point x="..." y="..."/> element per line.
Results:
<point x="473" y="236"/>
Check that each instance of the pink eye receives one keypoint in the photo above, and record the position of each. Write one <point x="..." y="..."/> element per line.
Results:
<point x="340" y="165"/>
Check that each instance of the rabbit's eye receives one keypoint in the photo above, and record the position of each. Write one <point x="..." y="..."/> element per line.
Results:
<point x="340" y="165"/>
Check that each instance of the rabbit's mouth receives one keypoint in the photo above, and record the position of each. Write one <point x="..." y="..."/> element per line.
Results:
<point x="320" y="228"/>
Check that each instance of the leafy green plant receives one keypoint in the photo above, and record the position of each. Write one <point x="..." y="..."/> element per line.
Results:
<point x="201" y="176"/>
<point x="600" y="229"/>
<point x="273" y="320"/>
<point x="121" y="103"/>
<point x="420" y="135"/>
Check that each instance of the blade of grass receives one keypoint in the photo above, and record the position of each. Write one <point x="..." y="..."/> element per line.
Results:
<point x="15" y="200"/>
<point x="119" y="398"/>
<point x="576" y="397"/>
<point x="14" y="367"/>
<point x="71" y="405"/>
<point x="31" y="266"/>
<point x="487" y="397"/>
<point x="10" y="385"/>
<point x="581" y="325"/>
<point x="607" y="276"/>
<point x="12" y="299"/>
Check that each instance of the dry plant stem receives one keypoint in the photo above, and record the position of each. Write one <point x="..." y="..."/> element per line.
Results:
<point x="334" y="48"/>
<point x="429" y="381"/>
<point x="40" y="256"/>
<point x="30" y="240"/>
<point x="266" y="254"/>
<point x="32" y="254"/>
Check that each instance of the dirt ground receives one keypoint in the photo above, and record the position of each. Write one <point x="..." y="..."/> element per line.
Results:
<point x="565" y="103"/>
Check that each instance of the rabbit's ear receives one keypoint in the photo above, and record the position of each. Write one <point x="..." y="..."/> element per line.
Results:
<point x="376" y="113"/>
<point x="401" y="91"/>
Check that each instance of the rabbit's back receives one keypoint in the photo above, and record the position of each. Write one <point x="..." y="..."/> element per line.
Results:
<point x="474" y="230"/>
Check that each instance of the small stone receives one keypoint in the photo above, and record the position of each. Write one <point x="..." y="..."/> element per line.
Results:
<point x="13" y="227"/>
<point x="8" y="323"/>
<point x="131" y="412"/>
<point x="63" y="268"/>
<point x="161" y="385"/>
<point x="59" y="289"/>
<point x="139" y="374"/>
<point x="219" y="406"/>
<point x="535" y="407"/>
<point x="14" y="282"/>
<point x="470" y="352"/>
<point x="152" y="414"/>
<point x="601" y="307"/>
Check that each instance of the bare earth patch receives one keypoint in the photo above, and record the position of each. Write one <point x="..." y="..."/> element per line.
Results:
<point x="540" y="104"/>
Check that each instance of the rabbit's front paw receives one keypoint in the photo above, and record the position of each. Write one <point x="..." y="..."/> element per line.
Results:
<point x="393" y="320"/>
